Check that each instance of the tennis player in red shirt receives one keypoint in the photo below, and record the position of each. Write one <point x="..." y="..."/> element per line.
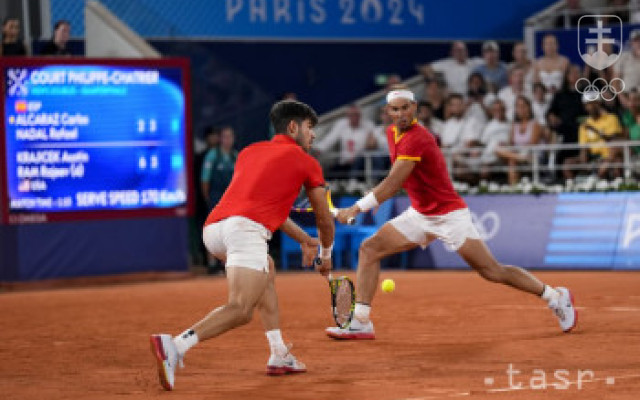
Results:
<point x="266" y="181"/>
<point x="436" y="212"/>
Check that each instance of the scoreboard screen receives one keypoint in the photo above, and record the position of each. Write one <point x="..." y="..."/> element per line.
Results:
<point x="92" y="138"/>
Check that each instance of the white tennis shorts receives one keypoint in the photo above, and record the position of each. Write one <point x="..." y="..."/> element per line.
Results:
<point x="241" y="241"/>
<point x="452" y="228"/>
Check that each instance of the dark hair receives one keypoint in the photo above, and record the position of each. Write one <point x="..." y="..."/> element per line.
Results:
<point x="516" y="118"/>
<point x="212" y="130"/>
<point x="283" y="112"/>
<point x="482" y="90"/>
<point x="539" y="85"/>
<point x="424" y="103"/>
<point x="59" y="23"/>
<point x="10" y="18"/>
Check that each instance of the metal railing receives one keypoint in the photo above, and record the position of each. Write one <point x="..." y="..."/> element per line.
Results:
<point x="630" y="163"/>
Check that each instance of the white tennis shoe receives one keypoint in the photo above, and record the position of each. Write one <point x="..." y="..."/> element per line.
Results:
<point x="167" y="358"/>
<point x="564" y="310"/>
<point x="284" y="364"/>
<point x="356" y="331"/>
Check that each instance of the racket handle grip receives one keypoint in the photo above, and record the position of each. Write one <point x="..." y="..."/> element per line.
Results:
<point x="350" y="221"/>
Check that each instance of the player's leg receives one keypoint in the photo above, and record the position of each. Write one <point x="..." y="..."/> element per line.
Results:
<point x="475" y="252"/>
<point x="387" y="241"/>
<point x="395" y="236"/>
<point x="281" y="361"/>
<point x="247" y="277"/>
<point x="246" y="287"/>
<point x="477" y="255"/>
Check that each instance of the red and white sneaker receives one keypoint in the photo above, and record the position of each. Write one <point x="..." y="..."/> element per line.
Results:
<point x="284" y="364"/>
<point x="564" y="310"/>
<point x="167" y="358"/>
<point x="356" y="331"/>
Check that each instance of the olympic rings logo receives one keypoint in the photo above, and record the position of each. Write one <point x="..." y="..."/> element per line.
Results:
<point x="591" y="91"/>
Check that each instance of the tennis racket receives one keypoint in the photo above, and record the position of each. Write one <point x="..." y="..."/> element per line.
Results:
<point x="303" y="205"/>
<point x="343" y="300"/>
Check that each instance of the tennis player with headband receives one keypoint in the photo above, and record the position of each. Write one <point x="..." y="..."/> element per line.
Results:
<point x="436" y="212"/>
<point x="266" y="181"/>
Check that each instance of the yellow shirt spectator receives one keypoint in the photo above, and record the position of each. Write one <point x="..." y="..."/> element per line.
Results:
<point x="592" y="131"/>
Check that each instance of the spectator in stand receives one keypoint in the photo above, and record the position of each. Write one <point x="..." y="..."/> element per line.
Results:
<point x="217" y="167"/>
<point x="457" y="129"/>
<point x="570" y="15"/>
<point x="57" y="46"/>
<point x="521" y="60"/>
<point x="428" y="120"/>
<point x="563" y="117"/>
<point x="455" y="69"/>
<point x="525" y="132"/>
<point x="551" y="67"/>
<point x="434" y="93"/>
<point x="379" y="132"/>
<point x="378" y="141"/>
<point x="482" y="155"/>
<point x="597" y="130"/>
<point x="541" y="103"/>
<point x="495" y="134"/>
<point x="391" y="81"/>
<point x="211" y="140"/>
<point x="621" y="9"/>
<point x="11" y="44"/>
<point x="627" y="67"/>
<point x="492" y="69"/>
<point x="509" y="93"/>
<point x="355" y="135"/>
<point x="475" y="105"/>
<point x="612" y="104"/>
<point x="631" y="120"/>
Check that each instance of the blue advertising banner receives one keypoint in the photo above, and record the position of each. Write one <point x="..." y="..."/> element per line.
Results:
<point x="315" y="19"/>
<point x="567" y="231"/>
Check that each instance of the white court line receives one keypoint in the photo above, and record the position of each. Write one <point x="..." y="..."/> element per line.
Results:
<point x="524" y="388"/>
<point x="580" y="308"/>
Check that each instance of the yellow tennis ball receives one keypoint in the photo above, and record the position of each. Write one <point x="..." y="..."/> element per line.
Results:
<point x="388" y="285"/>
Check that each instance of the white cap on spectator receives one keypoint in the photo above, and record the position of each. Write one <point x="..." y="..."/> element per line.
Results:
<point x="490" y="45"/>
<point x="634" y="34"/>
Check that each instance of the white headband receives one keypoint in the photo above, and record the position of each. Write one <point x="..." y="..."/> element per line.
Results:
<point x="400" y="94"/>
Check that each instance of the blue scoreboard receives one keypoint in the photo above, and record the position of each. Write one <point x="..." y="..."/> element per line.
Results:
<point x="90" y="138"/>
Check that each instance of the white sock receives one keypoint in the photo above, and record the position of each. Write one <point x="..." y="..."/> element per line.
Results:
<point x="362" y="312"/>
<point x="550" y="294"/>
<point x="276" y="344"/>
<point x="185" y="341"/>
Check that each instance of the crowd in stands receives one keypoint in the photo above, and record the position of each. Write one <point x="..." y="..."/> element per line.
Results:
<point x="486" y="113"/>
<point x="13" y="46"/>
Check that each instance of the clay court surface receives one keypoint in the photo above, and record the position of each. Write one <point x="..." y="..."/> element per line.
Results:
<point x="440" y="335"/>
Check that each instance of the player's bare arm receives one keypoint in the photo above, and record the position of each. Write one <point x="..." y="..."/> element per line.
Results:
<point x="400" y="171"/>
<point x="326" y="227"/>
<point x="308" y="245"/>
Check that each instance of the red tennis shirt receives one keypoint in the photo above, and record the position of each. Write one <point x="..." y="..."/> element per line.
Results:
<point x="429" y="187"/>
<point x="266" y="181"/>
